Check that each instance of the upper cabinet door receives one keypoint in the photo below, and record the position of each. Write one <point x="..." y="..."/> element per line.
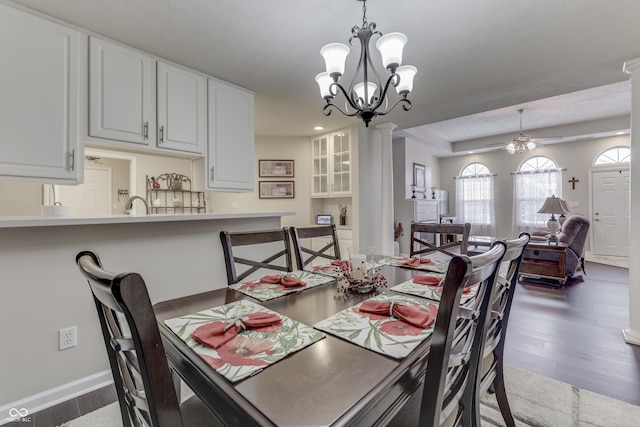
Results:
<point x="182" y="109"/>
<point x="40" y="78"/>
<point x="122" y="93"/>
<point x="230" y="157"/>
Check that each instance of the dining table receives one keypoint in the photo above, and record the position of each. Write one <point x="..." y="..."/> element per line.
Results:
<point x="332" y="382"/>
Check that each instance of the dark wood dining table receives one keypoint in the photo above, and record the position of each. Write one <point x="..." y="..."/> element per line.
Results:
<point x="331" y="382"/>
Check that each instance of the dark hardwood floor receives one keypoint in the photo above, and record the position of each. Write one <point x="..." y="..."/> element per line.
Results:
<point x="574" y="334"/>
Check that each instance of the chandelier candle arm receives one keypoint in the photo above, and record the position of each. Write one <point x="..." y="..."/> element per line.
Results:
<point x="366" y="93"/>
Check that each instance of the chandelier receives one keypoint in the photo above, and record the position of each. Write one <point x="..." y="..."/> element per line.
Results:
<point x="366" y="92"/>
<point x="522" y="142"/>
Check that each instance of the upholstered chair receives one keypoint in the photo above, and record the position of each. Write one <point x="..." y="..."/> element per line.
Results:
<point x="574" y="233"/>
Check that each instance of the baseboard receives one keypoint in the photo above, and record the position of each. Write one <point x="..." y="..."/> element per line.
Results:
<point x="56" y="395"/>
<point x="615" y="261"/>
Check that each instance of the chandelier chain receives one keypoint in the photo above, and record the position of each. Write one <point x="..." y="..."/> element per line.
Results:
<point x="364" y="13"/>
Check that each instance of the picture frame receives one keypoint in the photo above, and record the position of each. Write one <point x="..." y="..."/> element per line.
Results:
<point x="275" y="168"/>
<point x="276" y="189"/>
<point x="419" y="178"/>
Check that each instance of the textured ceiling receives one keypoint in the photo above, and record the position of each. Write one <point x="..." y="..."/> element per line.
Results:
<point x="472" y="56"/>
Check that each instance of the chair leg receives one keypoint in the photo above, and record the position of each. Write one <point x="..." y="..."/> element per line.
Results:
<point x="501" y="395"/>
<point x="582" y="266"/>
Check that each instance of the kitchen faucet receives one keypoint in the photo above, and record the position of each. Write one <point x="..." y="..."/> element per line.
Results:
<point x="129" y="204"/>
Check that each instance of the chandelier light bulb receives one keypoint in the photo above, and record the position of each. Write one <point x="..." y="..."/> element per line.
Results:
<point x="390" y="47"/>
<point x="324" y="82"/>
<point x="531" y="145"/>
<point x="511" y="148"/>
<point x="406" y="74"/>
<point x="335" y="56"/>
<point x="371" y="90"/>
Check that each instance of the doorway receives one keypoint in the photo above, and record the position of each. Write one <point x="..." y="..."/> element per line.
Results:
<point x="610" y="207"/>
<point x="109" y="179"/>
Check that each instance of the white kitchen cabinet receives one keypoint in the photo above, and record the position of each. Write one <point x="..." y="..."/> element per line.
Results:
<point x="42" y="76"/>
<point x="230" y="155"/>
<point x="331" y="165"/>
<point x="122" y="93"/>
<point x="181" y="109"/>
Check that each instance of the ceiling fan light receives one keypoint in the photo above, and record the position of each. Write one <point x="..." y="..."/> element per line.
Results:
<point x="335" y="55"/>
<point x="531" y="145"/>
<point x="406" y="74"/>
<point x="511" y="148"/>
<point x="390" y="46"/>
<point x="324" y="82"/>
<point x="359" y="90"/>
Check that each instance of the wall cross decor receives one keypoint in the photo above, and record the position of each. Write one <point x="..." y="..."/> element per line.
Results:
<point x="573" y="181"/>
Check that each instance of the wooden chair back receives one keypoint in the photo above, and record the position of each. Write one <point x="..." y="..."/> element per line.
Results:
<point x="138" y="362"/>
<point x="279" y="261"/>
<point x="458" y="233"/>
<point x="456" y="343"/>
<point x="306" y="255"/>
<point x="492" y="369"/>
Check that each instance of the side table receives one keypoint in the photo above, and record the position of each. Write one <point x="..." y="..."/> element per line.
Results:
<point x="542" y="260"/>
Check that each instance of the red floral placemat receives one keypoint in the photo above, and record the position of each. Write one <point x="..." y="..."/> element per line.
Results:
<point x="380" y="333"/>
<point x="251" y="350"/>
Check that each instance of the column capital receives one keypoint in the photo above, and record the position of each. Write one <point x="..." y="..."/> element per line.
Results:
<point x="390" y="126"/>
<point x="631" y="66"/>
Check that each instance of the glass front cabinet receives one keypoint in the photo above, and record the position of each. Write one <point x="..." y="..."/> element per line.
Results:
<point x="331" y="159"/>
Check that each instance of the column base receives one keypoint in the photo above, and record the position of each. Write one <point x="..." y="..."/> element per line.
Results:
<point x="631" y="336"/>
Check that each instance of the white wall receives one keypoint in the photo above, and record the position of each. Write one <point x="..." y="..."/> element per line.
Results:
<point x="297" y="149"/>
<point x="577" y="157"/>
<point x="406" y="152"/>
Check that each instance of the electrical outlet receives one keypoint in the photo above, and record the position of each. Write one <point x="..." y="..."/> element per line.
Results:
<point x="67" y="338"/>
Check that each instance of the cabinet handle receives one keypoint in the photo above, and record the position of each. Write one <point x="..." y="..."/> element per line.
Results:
<point x="145" y="132"/>
<point x="161" y="134"/>
<point x="73" y="159"/>
<point x="211" y="174"/>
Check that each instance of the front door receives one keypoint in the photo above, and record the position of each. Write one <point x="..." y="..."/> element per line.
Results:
<point x="611" y="213"/>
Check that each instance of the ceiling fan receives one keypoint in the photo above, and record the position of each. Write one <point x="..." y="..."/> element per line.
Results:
<point x="523" y="142"/>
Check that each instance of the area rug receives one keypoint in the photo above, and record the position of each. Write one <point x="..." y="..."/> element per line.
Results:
<point x="535" y="401"/>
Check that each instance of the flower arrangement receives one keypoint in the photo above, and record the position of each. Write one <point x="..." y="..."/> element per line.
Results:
<point x="397" y="231"/>
<point x="343" y="214"/>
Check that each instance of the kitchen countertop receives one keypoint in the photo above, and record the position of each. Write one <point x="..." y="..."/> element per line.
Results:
<point x="39" y="221"/>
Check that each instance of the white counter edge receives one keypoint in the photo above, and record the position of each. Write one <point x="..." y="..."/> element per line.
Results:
<point x="37" y="221"/>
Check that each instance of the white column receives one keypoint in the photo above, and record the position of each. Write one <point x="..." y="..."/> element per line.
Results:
<point x="632" y="334"/>
<point x="386" y="225"/>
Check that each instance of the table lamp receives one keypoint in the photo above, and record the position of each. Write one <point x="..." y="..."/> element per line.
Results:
<point x="553" y="205"/>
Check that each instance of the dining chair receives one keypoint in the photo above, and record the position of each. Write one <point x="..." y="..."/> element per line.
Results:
<point x="256" y="244"/>
<point x="330" y="249"/>
<point x="449" y="239"/>
<point x="491" y="371"/>
<point x="456" y="344"/>
<point x="141" y="374"/>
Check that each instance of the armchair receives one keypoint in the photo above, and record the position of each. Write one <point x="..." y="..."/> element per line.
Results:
<point x="573" y="233"/>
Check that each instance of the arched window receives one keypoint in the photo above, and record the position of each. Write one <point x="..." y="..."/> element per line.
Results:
<point x="475" y="199"/>
<point x="537" y="178"/>
<point x="614" y="155"/>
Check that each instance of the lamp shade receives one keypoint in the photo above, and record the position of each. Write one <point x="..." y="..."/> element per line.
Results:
<point x="324" y="82"/>
<point x="335" y="55"/>
<point x="359" y="90"/>
<point x="563" y="202"/>
<point x="406" y="73"/>
<point x="390" y="47"/>
<point x="553" y="205"/>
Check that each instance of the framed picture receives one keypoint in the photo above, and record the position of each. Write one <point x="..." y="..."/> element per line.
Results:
<point x="276" y="190"/>
<point x="275" y="168"/>
<point x="419" y="178"/>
